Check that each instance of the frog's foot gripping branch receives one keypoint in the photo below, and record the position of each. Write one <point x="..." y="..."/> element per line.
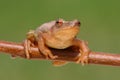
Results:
<point x="27" y="48"/>
<point x="83" y="51"/>
<point x="83" y="57"/>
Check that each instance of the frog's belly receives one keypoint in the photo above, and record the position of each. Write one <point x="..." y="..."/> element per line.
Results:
<point x="58" y="44"/>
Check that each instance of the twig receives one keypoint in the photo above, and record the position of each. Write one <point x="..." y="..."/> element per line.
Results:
<point x="69" y="54"/>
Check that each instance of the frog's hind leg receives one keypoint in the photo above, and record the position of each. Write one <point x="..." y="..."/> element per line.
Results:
<point x="28" y="43"/>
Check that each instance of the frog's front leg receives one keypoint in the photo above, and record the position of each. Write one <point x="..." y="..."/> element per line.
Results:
<point x="43" y="48"/>
<point x="83" y="49"/>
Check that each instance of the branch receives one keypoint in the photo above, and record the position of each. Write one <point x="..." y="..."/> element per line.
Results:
<point x="69" y="54"/>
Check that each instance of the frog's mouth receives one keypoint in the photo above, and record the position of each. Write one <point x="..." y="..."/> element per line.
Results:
<point x="67" y="32"/>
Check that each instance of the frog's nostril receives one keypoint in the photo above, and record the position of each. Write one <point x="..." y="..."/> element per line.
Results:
<point x="77" y="23"/>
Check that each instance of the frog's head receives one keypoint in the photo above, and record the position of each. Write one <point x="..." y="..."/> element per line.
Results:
<point x="66" y="29"/>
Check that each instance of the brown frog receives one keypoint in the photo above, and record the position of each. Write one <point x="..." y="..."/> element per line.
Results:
<point x="58" y="34"/>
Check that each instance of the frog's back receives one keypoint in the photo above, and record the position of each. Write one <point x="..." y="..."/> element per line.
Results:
<point x="45" y="27"/>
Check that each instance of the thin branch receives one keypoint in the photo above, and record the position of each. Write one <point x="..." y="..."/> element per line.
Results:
<point x="69" y="54"/>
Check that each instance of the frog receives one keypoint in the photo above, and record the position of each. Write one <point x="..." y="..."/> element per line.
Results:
<point x="57" y="34"/>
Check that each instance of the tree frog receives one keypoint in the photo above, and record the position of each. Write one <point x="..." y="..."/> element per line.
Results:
<point x="58" y="34"/>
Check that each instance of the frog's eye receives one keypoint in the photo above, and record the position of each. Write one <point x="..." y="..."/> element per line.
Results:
<point x="59" y="22"/>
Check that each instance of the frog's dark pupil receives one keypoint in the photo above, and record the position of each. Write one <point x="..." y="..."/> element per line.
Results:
<point x="59" y="22"/>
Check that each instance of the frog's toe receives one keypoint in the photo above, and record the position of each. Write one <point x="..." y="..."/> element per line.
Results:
<point x="53" y="57"/>
<point x="27" y="48"/>
<point x="83" y="58"/>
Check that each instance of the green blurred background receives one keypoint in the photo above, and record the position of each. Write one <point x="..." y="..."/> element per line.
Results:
<point x="100" y="21"/>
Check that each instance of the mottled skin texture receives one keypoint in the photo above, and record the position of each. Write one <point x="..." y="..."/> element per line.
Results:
<point x="58" y="34"/>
